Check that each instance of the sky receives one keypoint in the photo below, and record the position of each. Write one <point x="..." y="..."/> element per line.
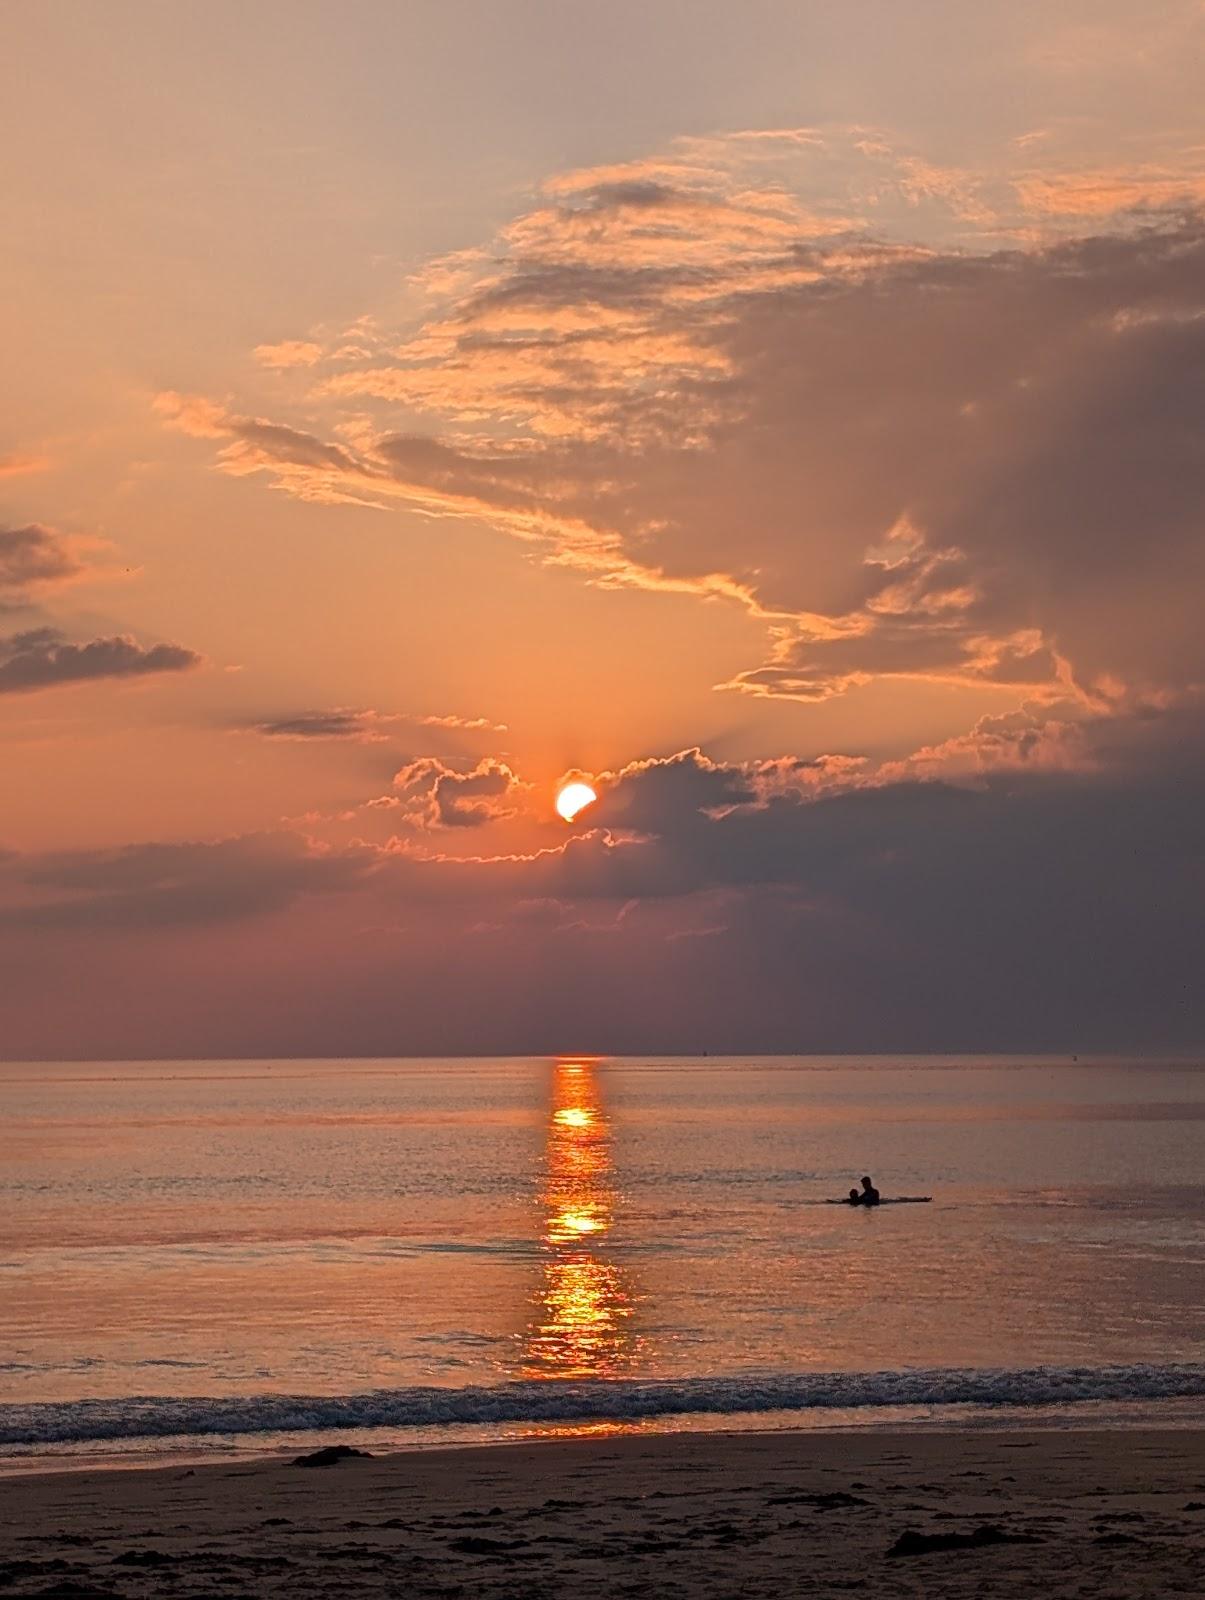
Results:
<point x="787" y="418"/>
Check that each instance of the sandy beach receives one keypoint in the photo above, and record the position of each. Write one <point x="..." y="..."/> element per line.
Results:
<point x="1078" y="1513"/>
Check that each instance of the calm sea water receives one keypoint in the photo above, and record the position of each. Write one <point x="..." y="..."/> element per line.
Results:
<point x="202" y="1256"/>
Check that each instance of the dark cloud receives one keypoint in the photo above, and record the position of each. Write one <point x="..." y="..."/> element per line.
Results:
<point x="35" y="554"/>
<point x="659" y="796"/>
<point x="637" y="192"/>
<point x="1029" y="907"/>
<point x="1035" y="907"/>
<point x="41" y="658"/>
<point x="150" y="886"/>
<point x="290" y="445"/>
<point x="361" y="726"/>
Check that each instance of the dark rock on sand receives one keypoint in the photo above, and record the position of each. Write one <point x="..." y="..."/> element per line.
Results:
<point x="474" y="1545"/>
<point x="835" y="1501"/>
<point x="20" y="1571"/>
<point x="329" y="1455"/>
<point x="70" y="1590"/>
<point x="911" y="1543"/>
<point x="142" y="1558"/>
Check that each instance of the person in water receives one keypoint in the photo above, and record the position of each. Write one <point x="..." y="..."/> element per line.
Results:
<point x="870" y="1195"/>
<point x="855" y="1199"/>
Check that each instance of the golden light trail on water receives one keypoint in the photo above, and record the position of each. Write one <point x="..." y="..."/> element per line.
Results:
<point x="584" y="1302"/>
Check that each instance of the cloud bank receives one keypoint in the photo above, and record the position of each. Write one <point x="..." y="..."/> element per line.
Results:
<point x="1024" y="904"/>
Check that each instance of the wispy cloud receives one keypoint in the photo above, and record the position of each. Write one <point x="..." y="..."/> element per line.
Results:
<point x="362" y="726"/>
<point x="288" y="353"/>
<point x="18" y="464"/>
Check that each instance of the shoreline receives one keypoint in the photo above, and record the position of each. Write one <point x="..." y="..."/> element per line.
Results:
<point x="1117" y="1511"/>
<point x="384" y="1444"/>
<point x="370" y="1447"/>
<point x="216" y="1447"/>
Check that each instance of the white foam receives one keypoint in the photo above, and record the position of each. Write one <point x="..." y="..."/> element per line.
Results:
<point x="154" y="1417"/>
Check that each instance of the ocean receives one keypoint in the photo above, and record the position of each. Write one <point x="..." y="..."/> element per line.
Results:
<point x="210" y="1259"/>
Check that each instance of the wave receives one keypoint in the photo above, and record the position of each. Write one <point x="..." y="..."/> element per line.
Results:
<point x="156" y="1417"/>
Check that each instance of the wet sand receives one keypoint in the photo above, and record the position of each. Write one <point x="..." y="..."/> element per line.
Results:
<point x="1078" y="1513"/>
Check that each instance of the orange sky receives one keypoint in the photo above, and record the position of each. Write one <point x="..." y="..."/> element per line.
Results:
<point x="406" y="409"/>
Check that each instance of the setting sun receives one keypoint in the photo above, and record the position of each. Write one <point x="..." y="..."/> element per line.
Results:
<point x="574" y="797"/>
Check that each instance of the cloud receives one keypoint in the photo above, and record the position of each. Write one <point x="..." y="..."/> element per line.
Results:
<point x="18" y="464"/>
<point x="1035" y="738"/>
<point x="660" y="794"/>
<point x="429" y="793"/>
<point x="971" y="458"/>
<point x="1110" y="190"/>
<point x="300" y="463"/>
<point x="1017" y="904"/>
<point x="148" y="886"/>
<point x="362" y="726"/>
<point x="1036" y="907"/>
<point x="288" y="353"/>
<point x="35" y="554"/>
<point x="191" y="414"/>
<point x="41" y="658"/>
<point x="463" y="724"/>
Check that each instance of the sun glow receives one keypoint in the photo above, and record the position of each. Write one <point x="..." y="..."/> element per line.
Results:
<point x="574" y="797"/>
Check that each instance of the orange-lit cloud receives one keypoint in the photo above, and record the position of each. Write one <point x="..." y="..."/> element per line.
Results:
<point x="676" y="374"/>
<point x="430" y="793"/>
<point x="288" y="353"/>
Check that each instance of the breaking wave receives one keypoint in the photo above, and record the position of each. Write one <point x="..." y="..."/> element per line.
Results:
<point x="154" y="1417"/>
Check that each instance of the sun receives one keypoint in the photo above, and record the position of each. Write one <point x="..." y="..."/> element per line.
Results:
<point x="574" y="797"/>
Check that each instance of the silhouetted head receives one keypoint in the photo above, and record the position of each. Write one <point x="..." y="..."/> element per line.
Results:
<point x="866" y="1183"/>
<point x="854" y="1196"/>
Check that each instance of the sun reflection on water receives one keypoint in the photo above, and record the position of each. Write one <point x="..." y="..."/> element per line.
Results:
<point x="580" y="1327"/>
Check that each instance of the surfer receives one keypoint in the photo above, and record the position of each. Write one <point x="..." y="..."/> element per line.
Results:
<point x="868" y="1195"/>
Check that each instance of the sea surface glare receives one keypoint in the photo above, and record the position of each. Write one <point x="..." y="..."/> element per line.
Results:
<point x="203" y="1258"/>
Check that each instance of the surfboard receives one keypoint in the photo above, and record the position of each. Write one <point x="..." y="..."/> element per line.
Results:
<point x="891" y="1200"/>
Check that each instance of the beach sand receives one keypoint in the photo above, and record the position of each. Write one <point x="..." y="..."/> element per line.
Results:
<point x="1108" y="1513"/>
